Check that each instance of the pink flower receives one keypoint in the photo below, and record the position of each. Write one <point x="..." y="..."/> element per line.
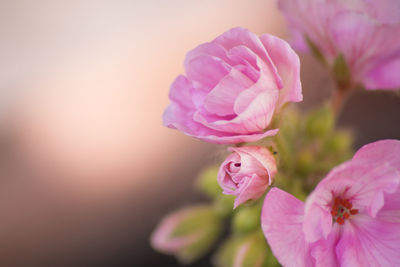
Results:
<point x="233" y="86"/>
<point x="365" y="32"/>
<point x="247" y="173"/>
<point x="352" y="218"/>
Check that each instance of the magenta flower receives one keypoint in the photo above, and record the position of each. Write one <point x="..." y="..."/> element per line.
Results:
<point x="352" y="218"/>
<point x="365" y="32"/>
<point x="233" y="86"/>
<point x="247" y="173"/>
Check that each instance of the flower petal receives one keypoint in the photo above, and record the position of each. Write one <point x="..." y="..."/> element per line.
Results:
<point x="323" y="250"/>
<point x="288" y="64"/>
<point x="384" y="75"/>
<point x="281" y="221"/>
<point x="369" y="241"/>
<point x="380" y="151"/>
<point x="240" y="36"/>
<point x="206" y="70"/>
<point x="262" y="155"/>
<point x="221" y="99"/>
<point x="254" y="119"/>
<point x="225" y="138"/>
<point x="363" y="41"/>
<point x="252" y="189"/>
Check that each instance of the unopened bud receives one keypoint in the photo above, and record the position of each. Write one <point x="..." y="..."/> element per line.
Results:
<point x="187" y="233"/>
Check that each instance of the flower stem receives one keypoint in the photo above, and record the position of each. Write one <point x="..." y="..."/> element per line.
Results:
<point x="340" y="96"/>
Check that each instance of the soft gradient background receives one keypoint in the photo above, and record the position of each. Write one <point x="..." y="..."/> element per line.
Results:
<point x="86" y="168"/>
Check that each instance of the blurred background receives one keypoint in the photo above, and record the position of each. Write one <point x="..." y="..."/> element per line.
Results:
<point x="86" y="168"/>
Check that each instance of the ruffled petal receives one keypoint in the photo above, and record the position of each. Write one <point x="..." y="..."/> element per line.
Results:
<point x="379" y="152"/>
<point x="240" y="36"/>
<point x="264" y="83"/>
<point x="252" y="189"/>
<point x="207" y="49"/>
<point x="262" y="155"/>
<point x="364" y="42"/>
<point x="207" y="71"/>
<point x="384" y="75"/>
<point x="367" y="241"/>
<point x="254" y="119"/>
<point x="288" y="64"/>
<point x="180" y="92"/>
<point x="324" y="252"/>
<point x="221" y="99"/>
<point x="281" y="222"/>
<point x="224" y="138"/>
<point x="310" y="19"/>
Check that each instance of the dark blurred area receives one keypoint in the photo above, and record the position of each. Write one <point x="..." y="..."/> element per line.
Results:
<point x="86" y="168"/>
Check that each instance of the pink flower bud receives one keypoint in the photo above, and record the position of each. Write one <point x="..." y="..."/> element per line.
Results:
<point x="187" y="233"/>
<point x="247" y="173"/>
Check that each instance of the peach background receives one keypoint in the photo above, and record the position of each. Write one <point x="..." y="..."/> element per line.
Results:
<point x="86" y="167"/>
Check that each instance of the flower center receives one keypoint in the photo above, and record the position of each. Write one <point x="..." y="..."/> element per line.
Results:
<point x="342" y="209"/>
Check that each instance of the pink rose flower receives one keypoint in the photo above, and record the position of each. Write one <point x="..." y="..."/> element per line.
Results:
<point x="232" y="87"/>
<point x="352" y="218"/>
<point x="365" y="32"/>
<point x="247" y="173"/>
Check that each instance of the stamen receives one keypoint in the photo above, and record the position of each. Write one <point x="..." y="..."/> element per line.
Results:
<point x="354" y="211"/>
<point x="342" y="210"/>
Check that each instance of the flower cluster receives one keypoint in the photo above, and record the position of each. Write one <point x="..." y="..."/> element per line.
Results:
<point x="232" y="92"/>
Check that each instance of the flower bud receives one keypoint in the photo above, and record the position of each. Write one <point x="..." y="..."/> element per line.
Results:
<point x="247" y="219"/>
<point x="320" y="122"/>
<point x="187" y="233"/>
<point x="207" y="182"/>
<point x="248" y="251"/>
<point x="247" y="173"/>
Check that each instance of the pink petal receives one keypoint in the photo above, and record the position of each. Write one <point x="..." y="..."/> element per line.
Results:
<point x="262" y="155"/>
<point x="363" y="41"/>
<point x="281" y="221"/>
<point x="240" y="36"/>
<point x="323" y="251"/>
<point x="254" y="119"/>
<point x="390" y="212"/>
<point x="252" y="189"/>
<point x="234" y="139"/>
<point x="384" y="75"/>
<point x="288" y="64"/>
<point x="207" y="49"/>
<point x="380" y="152"/>
<point x="242" y="58"/>
<point x="367" y="241"/>
<point x="180" y="92"/>
<point x="221" y="99"/>
<point x="206" y="70"/>
<point x="311" y="19"/>
<point x="386" y="11"/>
<point x="317" y="222"/>
<point x="265" y="82"/>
